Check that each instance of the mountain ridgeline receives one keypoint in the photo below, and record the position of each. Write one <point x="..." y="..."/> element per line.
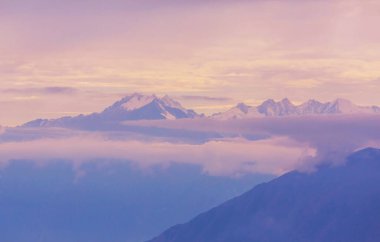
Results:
<point x="335" y="203"/>
<point x="133" y="107"/>
<point x="271" y="108"/>
<point x="150" y="107"/>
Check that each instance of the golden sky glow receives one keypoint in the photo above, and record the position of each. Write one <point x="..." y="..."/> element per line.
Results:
<point x="61" y="59"/>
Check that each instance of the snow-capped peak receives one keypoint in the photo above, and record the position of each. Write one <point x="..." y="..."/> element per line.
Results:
<point x="243" y="107"/>
<point x="285" y="107"/>
<point x="341" y="105"/>
<point x="343" y="102"/>
<point x="241" y="110"/>
<point x="268" y="102"/>
<point x="311" y="102"/>
<point x="169" y="102"/>
<point x="273" y="108"/>
<point x="286" y="102"/>
<point x="139" y="106"/>
<point x="136" y="101"/>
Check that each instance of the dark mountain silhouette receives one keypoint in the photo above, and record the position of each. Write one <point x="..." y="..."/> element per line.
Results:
<point x="332" y="204"/>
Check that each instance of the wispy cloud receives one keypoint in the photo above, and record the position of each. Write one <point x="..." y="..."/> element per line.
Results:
<point x="45" y="90"/>
<point x="243" y="50"/>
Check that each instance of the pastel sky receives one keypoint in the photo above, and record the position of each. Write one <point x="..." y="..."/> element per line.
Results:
<point x="78" y="56"/>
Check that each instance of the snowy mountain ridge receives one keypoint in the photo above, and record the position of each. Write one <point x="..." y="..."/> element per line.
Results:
<point x="150" y="107"/>
<point x="271" y="108"/>
<point x="132" y="107"/>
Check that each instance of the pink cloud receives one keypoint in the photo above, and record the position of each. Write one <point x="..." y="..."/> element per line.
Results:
<point x="265" y="145"/>
<point x="333" y="137"/>
<point x="226" y="157"/>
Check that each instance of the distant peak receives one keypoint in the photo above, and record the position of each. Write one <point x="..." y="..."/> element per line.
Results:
<point x="313" y="101"/>
<point x="243" y="107"/>
<point x="365" y="154"/>
<point x="272" y="102"/>
<point x="135" y="101"/>
<point x="342" y="101"/>
<point x="136" y="94"/>
<point x="167" y="98"/>
<point x="286" y="102"/>
<point x="170" y="102"/>
<point x="269" y="102"/>
<point x="141" y="95"/>
<point x="168" y="107"/>
<point x="368" y="150"/>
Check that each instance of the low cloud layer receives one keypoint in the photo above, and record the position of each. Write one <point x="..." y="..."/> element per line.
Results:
<point x="227" y="157"/>
<point x="333" y="137"/>
<point x="262" y="145"/>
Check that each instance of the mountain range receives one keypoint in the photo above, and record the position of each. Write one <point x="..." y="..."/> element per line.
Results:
<point x="133" y="107"/>
<point x="150" y="107"/>
<point x="334" y="203"/>
<point x="285" y="107"/>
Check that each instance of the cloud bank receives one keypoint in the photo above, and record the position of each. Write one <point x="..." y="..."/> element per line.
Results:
<point x="261" y="145"/>
<point x="333" y="137"/>
<point x="226" y="157"/>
